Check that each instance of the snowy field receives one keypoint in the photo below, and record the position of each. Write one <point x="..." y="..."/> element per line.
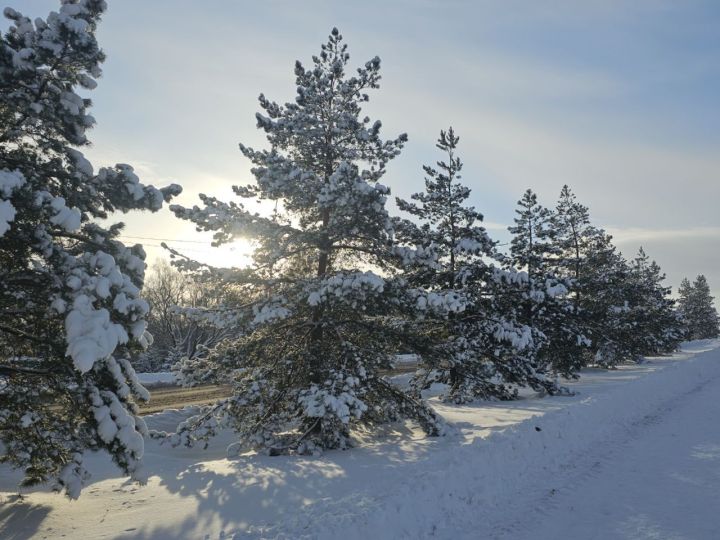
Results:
<point x="634" y="454"/>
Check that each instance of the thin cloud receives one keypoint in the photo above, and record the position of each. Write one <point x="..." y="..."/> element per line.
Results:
<point x="639" y="234"/>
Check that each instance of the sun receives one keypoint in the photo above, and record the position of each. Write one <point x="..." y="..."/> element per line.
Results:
<point x="236" y="254"/>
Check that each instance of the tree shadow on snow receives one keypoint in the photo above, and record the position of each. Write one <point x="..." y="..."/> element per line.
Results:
<point x="232" y="493"/>
<point x="20" y="520"/>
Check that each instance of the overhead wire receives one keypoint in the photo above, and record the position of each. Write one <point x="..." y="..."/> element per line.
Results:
<point x="157" y="239"/>
<point x="162" y="239"/>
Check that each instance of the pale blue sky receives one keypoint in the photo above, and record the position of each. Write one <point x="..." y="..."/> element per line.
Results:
<point x="617" y="99"/>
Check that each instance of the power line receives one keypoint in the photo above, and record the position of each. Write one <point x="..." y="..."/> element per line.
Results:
<point x="184" y="250"/>
<point x="162" y="239"/>
<point x="158" y="246"/>
<point x="204" y="242"/>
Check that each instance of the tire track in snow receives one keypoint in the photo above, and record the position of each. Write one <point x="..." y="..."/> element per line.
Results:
<point x="554" y="494"/>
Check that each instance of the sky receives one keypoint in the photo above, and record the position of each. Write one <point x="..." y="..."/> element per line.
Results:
<point x="619" y="100"/>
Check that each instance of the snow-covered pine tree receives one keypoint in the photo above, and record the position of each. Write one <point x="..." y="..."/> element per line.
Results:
<point x="623" y="308"/>
<point x="684" y="293"/>
<point x="640" y="320"/>
<point x="532" y="244"/>
<point x="483" y="352"/>
<point x="598" y="275"/>
<point x="668" y="327"/>
<point x="70" y="305"/>
<point x="604" y="286"/>
<point x="708" y="321"/>
<point x="656" y="325"/>
<point x="573" y="234"/>
<point x="695" y="305"/>
<point x="545" y="304"/>
<point x="323" y="315"/>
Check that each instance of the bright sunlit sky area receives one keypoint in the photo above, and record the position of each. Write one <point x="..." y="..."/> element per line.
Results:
<point x="617" y="99"/>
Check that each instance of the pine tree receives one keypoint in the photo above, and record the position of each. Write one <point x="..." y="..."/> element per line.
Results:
<point x="323" y="312"/>
<point x="574" y="234"/>
<point x="70" y="305"/>
<point x="622" y="307"/>
<point x="685" y="292"/>
<point x="603" y="289"/>
<point x="598" y="276"/>
<point x="656" y="325"/>
<point x="696" y="309"/>
<point x="532" y="244"/>
<point x="667" y="324"/>
<point x="484" y="352"/>
<point x="545" y="304"/>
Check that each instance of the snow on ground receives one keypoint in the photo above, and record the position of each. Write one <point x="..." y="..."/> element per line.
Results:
<point x="401" y="359"/>
<point x="661" y="480"/>
<point x="634" y="454"/>
<point x="162" y="378"/>
<point x="158" y="378"/>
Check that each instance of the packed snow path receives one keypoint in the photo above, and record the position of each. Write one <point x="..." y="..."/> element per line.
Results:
<point x="658" y="480"/>
<point x="634" y="455"/>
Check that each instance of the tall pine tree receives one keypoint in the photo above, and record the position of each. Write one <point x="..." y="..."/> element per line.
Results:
<point x="323" y="313"/>
<point x="484" y="351"/>
<point x="598" y="277"/>
<point x="70" y="305"/>
<point x="545" y="304"/>
<point x="657" y="327"/>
